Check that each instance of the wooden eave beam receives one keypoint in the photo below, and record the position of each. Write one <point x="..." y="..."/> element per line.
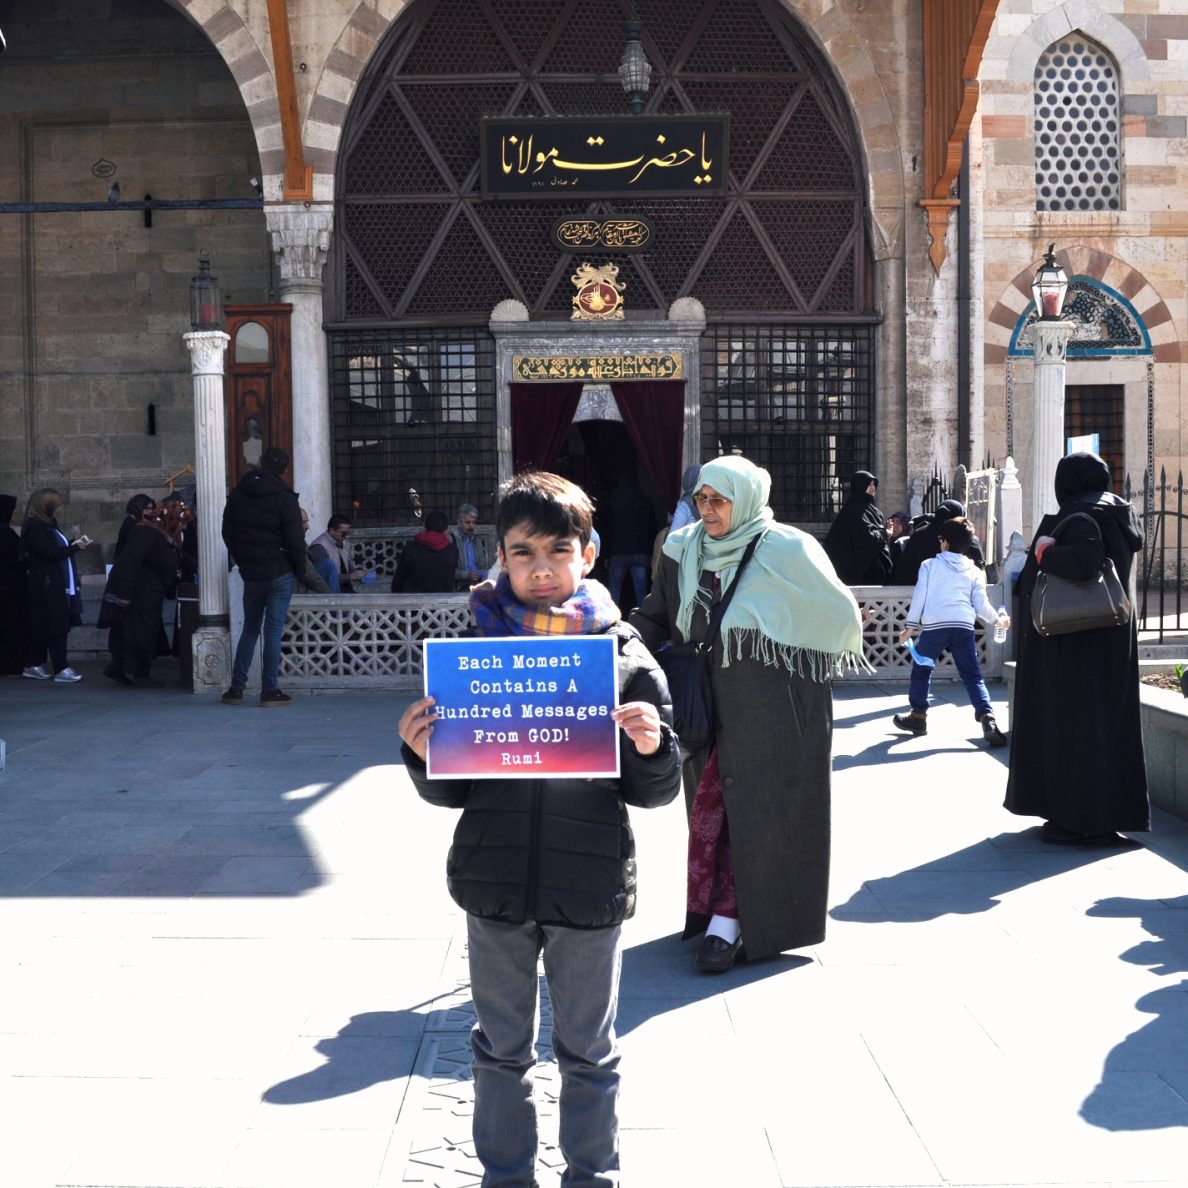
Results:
<point x="298" y="179"/>
<point x="955" y="34"/>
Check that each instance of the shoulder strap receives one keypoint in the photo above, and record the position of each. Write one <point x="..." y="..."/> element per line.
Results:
<point x="1078" y="516"/>
<point x="715" y="620"/>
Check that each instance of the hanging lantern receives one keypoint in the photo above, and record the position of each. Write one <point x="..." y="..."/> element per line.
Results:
<point x="635" y="71"/>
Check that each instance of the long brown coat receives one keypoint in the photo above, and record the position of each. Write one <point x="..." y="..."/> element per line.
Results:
<point x="774" y="739"/>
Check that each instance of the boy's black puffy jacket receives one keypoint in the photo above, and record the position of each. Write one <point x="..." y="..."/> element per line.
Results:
<point x="559" y="850"/>
<point x="262" y="528"/>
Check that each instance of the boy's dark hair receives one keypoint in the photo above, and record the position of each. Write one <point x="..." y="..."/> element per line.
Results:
<point x="958" y="532"/>
<point x="274" y="461"/>
<point x="436" y="521"/>
<point x="549" y="504"/>
<point x="338" y="520"/>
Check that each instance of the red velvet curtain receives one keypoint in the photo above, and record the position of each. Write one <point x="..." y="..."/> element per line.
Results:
<point x="654" y="413"/>
<point x="540" y="418"/>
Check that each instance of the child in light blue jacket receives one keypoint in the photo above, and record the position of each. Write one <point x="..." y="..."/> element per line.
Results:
<point x="950" y="595"/>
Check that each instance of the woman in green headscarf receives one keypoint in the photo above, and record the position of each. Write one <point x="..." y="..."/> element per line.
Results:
<point x="758" y="871"/>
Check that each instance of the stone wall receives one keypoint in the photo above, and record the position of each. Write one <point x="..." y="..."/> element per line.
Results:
<point x="1140" y="251"/>
<point x="95" y="303"/>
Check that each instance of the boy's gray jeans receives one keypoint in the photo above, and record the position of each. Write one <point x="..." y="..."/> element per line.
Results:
<point x="582" y="970"/>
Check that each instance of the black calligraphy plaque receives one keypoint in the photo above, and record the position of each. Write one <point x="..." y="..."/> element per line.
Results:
<point x="567" y="157"/>
<point x="603" y="233"/>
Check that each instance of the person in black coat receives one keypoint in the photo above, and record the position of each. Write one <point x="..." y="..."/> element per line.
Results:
<point x="545" y="867"/>
<point x="857" y="540"/>
<point x="134" y="509"/>
<point x="262" y="532"/>
<point x="1076" y="735"/>
<point x="142" y="577"/>
<point x="428" y="562"/>
<point x="55" y="598"/>
<point x="14" y="578"/>
<point x="924" y="544"/>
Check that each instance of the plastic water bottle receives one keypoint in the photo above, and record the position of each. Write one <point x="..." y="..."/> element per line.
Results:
<point x="1000" y="628"/>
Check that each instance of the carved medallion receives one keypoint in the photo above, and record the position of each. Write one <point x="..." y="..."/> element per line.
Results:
<point x="599" y="294"/>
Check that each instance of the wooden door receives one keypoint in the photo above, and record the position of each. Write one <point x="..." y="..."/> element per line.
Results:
<point x="259" y="386"/>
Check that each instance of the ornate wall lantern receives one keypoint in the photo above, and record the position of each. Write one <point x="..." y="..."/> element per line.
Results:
<point x="206" y="301"/>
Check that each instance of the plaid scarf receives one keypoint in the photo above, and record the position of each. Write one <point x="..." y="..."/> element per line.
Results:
<point x="497" y="611"/>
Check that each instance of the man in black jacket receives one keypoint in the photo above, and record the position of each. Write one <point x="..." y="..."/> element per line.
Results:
<point x="262" y="531"/>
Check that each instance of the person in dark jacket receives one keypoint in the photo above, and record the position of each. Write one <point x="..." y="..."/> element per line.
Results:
<point x="134" y="510"/>
<point x="14" y="579"/>
<point x="857" y="539"/>
<point x="142" y="577"/>
<point x="1076" y="740"/>
<point x="428" y="563"/>
<point x="262" y="531"/>
<point x="924" y="543"/>
<point x="55" y="597"/>
<point x="548" y="865"/>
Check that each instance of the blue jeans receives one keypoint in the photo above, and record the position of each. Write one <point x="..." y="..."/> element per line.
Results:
<point x="267" y="603"/>
<point x="961" y="646"/>
<point x="582" y="970"/>
<point x="617" y="568"/>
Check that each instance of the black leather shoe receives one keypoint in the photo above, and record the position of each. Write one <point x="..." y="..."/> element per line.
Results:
<point x="715" y="955"/>
<point x="911" y="724"/>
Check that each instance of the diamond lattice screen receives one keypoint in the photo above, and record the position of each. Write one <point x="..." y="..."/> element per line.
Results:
<point x="417" y="244"/>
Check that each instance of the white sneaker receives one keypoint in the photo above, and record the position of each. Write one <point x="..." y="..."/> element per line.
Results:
<point x="37" y="672"/>
<point x="67" y="677"/>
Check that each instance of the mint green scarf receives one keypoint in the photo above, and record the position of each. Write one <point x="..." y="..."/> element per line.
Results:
<point x="790" y="609"/>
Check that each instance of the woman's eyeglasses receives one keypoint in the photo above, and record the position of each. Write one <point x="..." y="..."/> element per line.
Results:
<point x="717" y="502"/>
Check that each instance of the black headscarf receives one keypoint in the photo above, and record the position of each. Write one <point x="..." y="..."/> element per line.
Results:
<point x="857" y="539"/>
<point x="1083" y="482"/>
<point x="7" y="507"/>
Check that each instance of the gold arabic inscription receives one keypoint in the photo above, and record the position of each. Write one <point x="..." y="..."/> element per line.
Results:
<point x="597" y="367"/>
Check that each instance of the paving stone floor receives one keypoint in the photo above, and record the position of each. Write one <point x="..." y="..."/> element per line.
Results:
<point x="228" y="960"/>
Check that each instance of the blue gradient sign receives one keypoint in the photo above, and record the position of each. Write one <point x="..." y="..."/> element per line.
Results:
<point x="523" y="707"/>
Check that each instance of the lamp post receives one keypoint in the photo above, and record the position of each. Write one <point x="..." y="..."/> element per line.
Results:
<point x="635" y="71"/>
<point x="1052" y="336"/>
<point x="207" y="344"/>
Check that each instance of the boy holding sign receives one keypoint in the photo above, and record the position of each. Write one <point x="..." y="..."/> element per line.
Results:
<point x="546" y="866"/>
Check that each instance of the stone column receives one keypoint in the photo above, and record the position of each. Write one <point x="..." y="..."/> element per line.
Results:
<point x="212" y="639"/>
<point x="1047" y="442"/>
<point x="300" y="241"/>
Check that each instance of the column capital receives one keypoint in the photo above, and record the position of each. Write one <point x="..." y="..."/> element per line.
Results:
<point x="300" y="240"/>
<point x="207" y="348"/>
<point x="1052" y="339"/>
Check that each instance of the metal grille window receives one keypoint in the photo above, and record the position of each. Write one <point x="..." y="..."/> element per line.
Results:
<point x="1094" y="411"/>
<point x="1078" y="161"/>
<point x="413" y="412"/>
<point x="797" y="400"/>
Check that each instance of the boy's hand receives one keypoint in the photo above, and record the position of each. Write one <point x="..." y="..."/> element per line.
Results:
<point x="640" y="721"/>
<point x="904" y="636"/>
<point x="416" y="725"/>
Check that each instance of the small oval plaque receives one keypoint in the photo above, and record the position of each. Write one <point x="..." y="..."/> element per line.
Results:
<point x="618" y="234"/>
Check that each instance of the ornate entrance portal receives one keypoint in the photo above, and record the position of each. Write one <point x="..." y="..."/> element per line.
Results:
<point x="778" y="255"/>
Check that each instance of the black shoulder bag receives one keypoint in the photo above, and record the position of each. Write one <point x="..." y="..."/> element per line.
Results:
<point x="686" y="665"/>
<point x="1060" y="606"/>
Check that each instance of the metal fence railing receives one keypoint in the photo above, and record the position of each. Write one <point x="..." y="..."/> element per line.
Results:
<point x="1161" y="577"/>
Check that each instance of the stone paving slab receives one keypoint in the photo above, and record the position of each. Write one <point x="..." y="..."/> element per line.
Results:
<point x="228" y="960"/>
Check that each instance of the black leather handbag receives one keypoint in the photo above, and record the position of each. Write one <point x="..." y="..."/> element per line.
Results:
<point x="1060" y="606"/>
<point x="686" y="665"/>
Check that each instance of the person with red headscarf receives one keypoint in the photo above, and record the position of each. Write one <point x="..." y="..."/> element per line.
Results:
<point x="141" y="578"/>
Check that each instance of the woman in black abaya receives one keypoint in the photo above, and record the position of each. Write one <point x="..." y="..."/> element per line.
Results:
<point x="857" y="540"/>
<point x="1076" y="735"/>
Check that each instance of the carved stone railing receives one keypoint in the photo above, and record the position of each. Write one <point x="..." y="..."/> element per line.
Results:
<point x="886" y="610"/>
<point x="379" y="548"/>
<point x="364" y="641"/>
<point x="373" y="641"/>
